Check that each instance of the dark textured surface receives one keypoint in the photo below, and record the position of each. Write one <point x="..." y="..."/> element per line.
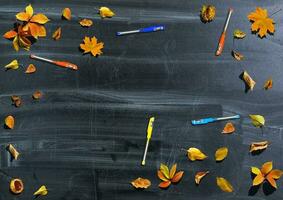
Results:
<point x="85" y="138"/>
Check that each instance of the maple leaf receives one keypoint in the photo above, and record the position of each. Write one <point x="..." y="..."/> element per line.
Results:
<point x="266" y="173"/>
<point x="92" y="46"/>
<point x="261" y="22"/>
<point x="33" y="23"/>
<point x="169" y="176"/>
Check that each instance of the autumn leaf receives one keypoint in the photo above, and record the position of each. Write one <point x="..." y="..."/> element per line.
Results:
<point x="257" y="120"/>
<point x="221" y="153"/>
<point x="20" y="38"/>
<point x="228" y="128"/>
<point x="16" y="100"/>
<point x="10" y="122"/>
<point x="268" y="84"/>
<point x="86" y="22"/>
<point x="207" y="13"/>
<point x="30" y="69"/>
<point x="37" y="95"/>
<point x="199" y="176"/>
<point x="261" y="23"/>
<point x="106" y="12"/>
<point x="169" y="176"/>
<point x="67" y="13"/>
<point x="92" y="46"/>
<point x="12" y="65"/>
<point x="224" y="185"/>
<point x="248" y="80"/>
<point x="238" y="56"/>
<point x="42" y="191"/>
<point x="57" y="34"/>
<point x="238" y="34"/>
<point x="195" y="154"/>
<point x="141" y="183"/>
<point x="258" y="146"/>
<point x="13" y="151"/>
<point x="266" y="173"/>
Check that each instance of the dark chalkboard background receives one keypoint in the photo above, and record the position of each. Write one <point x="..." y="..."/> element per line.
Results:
<point x="85" y="138"/>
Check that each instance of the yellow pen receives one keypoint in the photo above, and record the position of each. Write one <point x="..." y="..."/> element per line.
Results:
<point x="148" y="137"/>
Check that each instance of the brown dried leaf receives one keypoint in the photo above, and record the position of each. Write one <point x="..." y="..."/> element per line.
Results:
<point x="10" y="122"/>
<point x="16" y="100"/>
<point x="237" y="55"/>
<point x="57" y="34"/>
<point x="228" y="128"/>
<point x="248" y="80"/>
<point x="37" y="95"/>
<point x="67" y="13"/>
<point x="30" y="69"/>
<point x="256" y="146"/>
<point x="86" y="22"/>
<point x="141" y="183"/>
<point x="268" y="84"/>
<point x="199" y="176"/>
<point x="13" y="151"/>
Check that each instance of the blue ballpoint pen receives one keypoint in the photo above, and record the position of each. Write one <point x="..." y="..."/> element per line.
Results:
<point x="143" y="30"/>
<point x="211" y="119"/>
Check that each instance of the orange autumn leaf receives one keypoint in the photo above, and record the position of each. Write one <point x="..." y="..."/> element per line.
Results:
<point x="228" y="128"/>
<point x="266" y="173"/>
<point x="141" y="183"/>
<point x="67" y="13"/>
<point x="169" y="176"/>
<point x="164" y="184"/>
<point x="57" y="34"/>
<point x="37" y="95"/>
<point x="10" y="122"/>
<point x="10" y="34"/>
<point x="177" y="177"/>
<point x="91" y="45"/>
<point x="268" y="84"/>
<point x="257" y="146"/>
<point x="16" y="100"/>
<point x="30" y="69"/>
<point x="261" y="23"/>
<point x="86" y="22"/>
<point x="199" y="176"/>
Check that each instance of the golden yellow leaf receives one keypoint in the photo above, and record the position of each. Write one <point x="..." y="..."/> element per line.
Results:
<point x="30" y="69"/>
<point x="42" y="191"/>
<point x="266" y="167"/>
<point x="16" y="186"/>
<point x="12" y="65"/>
<point x="199" y="176"/>
<point x="207" y="13"/>
<point x="238" y="56"/>
<point x="10" y="122"/>
<point x="221" y="153"/>
<point x="141" y="183"/>
<point x="37" y="95"/>
<point x="228" y="128"/>
<point x="248" y="80"/>
<point x="161" y="176"/>
<point x="16" y="43"/>
<point x="255" y="170"/>
<point x="13" y="151"/>
<point x="268" y="84"/>
<point x="106" y="12"/>
<point x="165" y="170"/>
<point x="261" y="23"/>
<point x="92" y="46"/>
<point x="195" y="154"/>
<point x="256" y="146"/>
<point x="86" y="22"/>
<point x="239" y="34"/>
<point x="257" y="120"/>
<point x="172" y="171"/>
<point x="67" y="13"/>
<point x="57" y="34"/>
<point x="224" y="185"/>
<point x="258" y="179"/>
<point x="16" y="100"/>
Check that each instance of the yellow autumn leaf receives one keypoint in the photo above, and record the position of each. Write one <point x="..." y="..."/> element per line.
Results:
<point x="256" y="146"/>
<point x="106" y="12"/>
<point x="257" y="120"/>
<point x="199" y="176"/>
<point x="91" y="45"/>
<point x="248" y="80"/>
<point x="12" y="65"/>
<point x="42" y="191"/>
<point x="221" y="153"/>
<point x="13" y="151"/>
<point x="207" y="13"/>
<point x="239" y="34"/>
<point x="224" y="185"/>
<point x="172" y="171"/>
<point x="165" y="170"/>
<point x="86" y="22"/>
<point x="195" y="154"/>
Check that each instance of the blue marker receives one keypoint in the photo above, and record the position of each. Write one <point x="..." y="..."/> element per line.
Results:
<point x="143" y="30"/>
<point x="210" y="119"/>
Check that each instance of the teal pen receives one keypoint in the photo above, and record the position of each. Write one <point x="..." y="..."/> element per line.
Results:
<point x="211" y="119"/>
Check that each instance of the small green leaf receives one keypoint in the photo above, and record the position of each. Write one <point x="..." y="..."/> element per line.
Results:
<point x="257" y="120"/>
<point x="165" y="170"/>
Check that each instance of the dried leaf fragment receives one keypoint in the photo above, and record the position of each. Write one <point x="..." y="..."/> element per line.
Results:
<point x="248" y="80"/>
<point x="238" y="56"/>
<point x="30" y="69"/>
<point x="199" y="176"/>
<point x="86" y="22"/>
<point x="13" y="65"/>
<point x="13" y="151"/>
<point x="57" y="34"/>
<point x="195" y="154"/>
<point x="67" y="13"/>
<point x="141" y="183"/>
<point x="42" y="191"/>
<point x="268" y="84"/>
<point x="37" y="95"/>
<point x="257" y="120"/>
<point x="106" y="12"/>
<point x="224" y="185"/>
<point x="92" y="46"/>
<point x="257" y="146"/>
<point x="16" y="100"/>
<point x="207" y="13"/>
<point x="16" y="186"/>
<point x="10" y="122"/>
<point x="228" y="128"/>
<point x="238" y="34"/>
<point x="221" y="153"/>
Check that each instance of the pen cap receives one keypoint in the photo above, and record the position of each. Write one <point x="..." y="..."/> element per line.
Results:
<point x="150" y="127"/>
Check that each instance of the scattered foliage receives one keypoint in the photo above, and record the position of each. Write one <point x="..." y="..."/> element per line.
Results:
<point x="167" y="176"/>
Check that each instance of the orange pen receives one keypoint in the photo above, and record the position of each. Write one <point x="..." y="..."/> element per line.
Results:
<point x="223" y="35"/>
<point x="58" y="63"/>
